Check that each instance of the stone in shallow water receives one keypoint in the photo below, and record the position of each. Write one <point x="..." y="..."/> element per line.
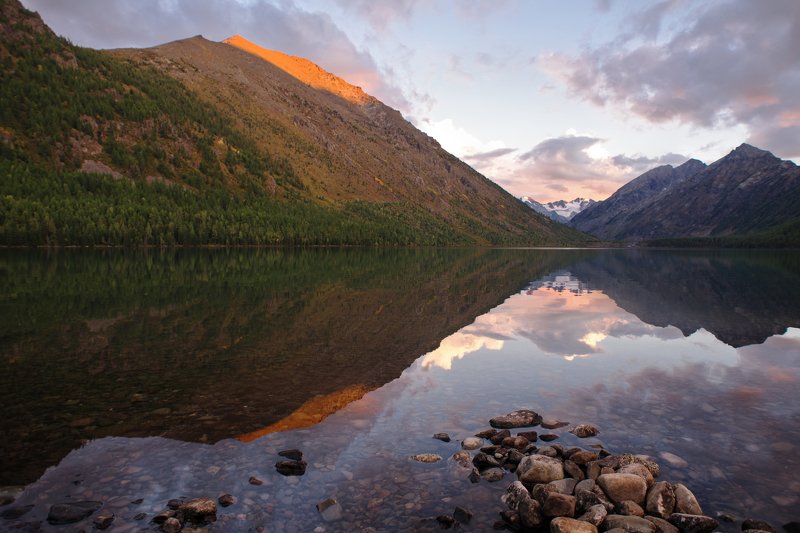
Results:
<point x="444" y="437"/>
<point x="689" y="523"/>
<point x="463" y="458"/>
<point x="171" y="525"/>
<point x="662" y="526"/>
<point x="674" y="460"/>
<point x="493" y="474"/>
<point x="563" y="524"/>
<point x="552" y="423"/>
<point x="293" y="454"/>
<point x="472" y="443"/>
<point x="752" y="523"/>
<point x="462" y="515"/>
<point x="426" y="457"/>
<point x="255" y="481"/>
<point x="584" y="430"/>
<point x="16" y="512"/>
<point x="685" y="501"/>
<point x="330" y="510"/>
<point x="226" y="500"/>
<point x="103" y="520"/>
<point x="516" y="419"/>
<point x="660" y="500"/>
<point x="530" y="435"/>
<point x="291" y="468"/>
<point x="540" y="469"/>
<point x="198" y="511"/>
<point x="548" y="437"/>
<point x="629" y="524"/>
<point x="71" y="512"/>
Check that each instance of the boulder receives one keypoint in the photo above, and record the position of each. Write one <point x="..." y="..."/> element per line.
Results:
<point x="660" y="500"/>
<point x="516" y="419"/>
<point x="639" y="470"/>
<point x="752" y="523"/>
<point x="621" y="487"/>
<point x="662" y="526"/>
<point x="563" y="524"/>
<point x="557" y="504"/>
<point x="629" y="524"/>
<point x="582" y="457"/>
<point x="472" y="443"/>
<point x="629" y="508"/>
<point x="691" y="523"/>
<point x="564" y="486"/>
<point x="685" y="502"/>
<point x="198" y="511"/>
<point x="594" y="515"/>
<point x="584" y="430"/>
<point x="71" y="512"/>
<point x="540" y="469"/>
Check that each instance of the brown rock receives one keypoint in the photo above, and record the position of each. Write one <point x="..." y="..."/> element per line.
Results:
<point x="563" y="524"/>
<point x="574" y="471"/>
<point x="226" y="500"/>
<point x="685" y="502"/>
<point x="564" y="486"/>
<point x="530" y="435"/>
<point x="516" y="419"/>
<point x="582" y="457"/>
<point x="752" y="523"/>
<point x="639" y="470"/>
<point x="629" y="524"/>
<point x="171" y="525"/>
<point x="662" y="526"/>
<point x="552" y="423"/>
<point x="198" y="511"/>
<point x="621" y="487"/>
<point x="558" y="504"/>
<point x="594" y="515"/>
<point x="584" y="430"/>
<point x="660" y="500"/>
<point x="690" y="523"/>
<point x="629" y="508"/>
<point x="540" y="469"/>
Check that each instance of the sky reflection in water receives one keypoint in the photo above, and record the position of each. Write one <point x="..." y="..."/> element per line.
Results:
<point x="562" y="346"/>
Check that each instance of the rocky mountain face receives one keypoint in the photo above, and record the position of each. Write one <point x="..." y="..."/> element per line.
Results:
<point x="560" y="210"/>
<point x="609" y="219"/>
<point x="268" y="148"/>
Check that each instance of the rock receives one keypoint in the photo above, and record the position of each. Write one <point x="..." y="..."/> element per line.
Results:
<point x="574" y="471"/>
<point x="163" y="516"/>
<point x="445" y="521"/>
<point x="255" y="481"/>
<point x="486" y="434"/>
<point x="594" y="515"/>
<point x="752" y="523"/>
<point x="515" y="493"/>
<point x="692" y="523"/>
<point x="660" y="500"/>
<point x="71" y="512"/>
<point x="530" y="513"/>
<point x="294" y="468"/>
<point x="493" y="474"/>
<point x="626" y="459"/>
<point x="530" y="435"/>
<point x="540" y="469"/>
<point x="558" y="504"/>
<point x="511" y="518"/>
<point x="293" y="454"/>
<point x="472" y="443"/>
<point x="518" y="443"/>
<point x="422" y="458"/>
<point x="621" y="487"/>
<point x="174" y="503"/>
<point x="330" y="510"/>
<point x="582" y="457"/>
<point x="563" y="524"/>
<point x="586" y="499"/>
<point x="444" y="437"/>
<point x="198" y="511"/>
<point x="171" y="525"/>
<point x="474" y="476"/>
<point x="16" y="512"/>
<point x="483" y="461"/>
<point x="549" y="451"/>
<point x="515" y="456"/>
<point x="541" y="491"/>
<point x="639" y="470"/>
<point x="629" y="524"/>
<point x="516" y="419"/>
<point x="548" y="437"/>
<point x="629" y="508"/>
<point x="499" y="436"/>
<point x="564" y="486"/>
<point x="584" y="430"/>
<point x="462" y="516"/>
<point x="586" y="484"/>
<point x="726" y="517"/>
<point x="674" y="460"/>
<point x="552" y="423"/>
<point x="226" y="500"/>
<point x="593" y="470"/>
<point x="103" y="520"/>
<point x="662" y="526"/>
<point x="463" y="458"/>
<point x="685" y="502"/>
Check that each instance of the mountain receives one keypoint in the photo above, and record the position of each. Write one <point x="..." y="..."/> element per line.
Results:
<point x="196" y="142"/>
<point x="749" y="198"/>
<point x="610" y="219"/>
<point x="560" y="210"/>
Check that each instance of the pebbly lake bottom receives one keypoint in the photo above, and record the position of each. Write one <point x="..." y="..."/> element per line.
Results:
<point x="583" y="342"/>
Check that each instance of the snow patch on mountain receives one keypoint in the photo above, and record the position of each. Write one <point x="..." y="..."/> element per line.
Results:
<point x="560" y="210"/>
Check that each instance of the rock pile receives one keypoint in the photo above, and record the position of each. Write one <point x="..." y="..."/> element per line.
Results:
<point x="575" y="490"/>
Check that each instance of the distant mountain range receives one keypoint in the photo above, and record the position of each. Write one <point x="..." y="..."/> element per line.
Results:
<point x="199" y="142"/>
<point x="749" y="197"/>
<point x="560" y="210"/>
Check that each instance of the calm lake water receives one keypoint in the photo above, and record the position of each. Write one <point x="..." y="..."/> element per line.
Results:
<point x="163" y="374"/>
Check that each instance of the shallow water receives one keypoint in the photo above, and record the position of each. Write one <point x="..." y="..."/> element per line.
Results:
<point x="693" y="354"/>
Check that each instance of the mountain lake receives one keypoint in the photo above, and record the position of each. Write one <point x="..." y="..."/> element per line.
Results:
<point x="132" y="377"/>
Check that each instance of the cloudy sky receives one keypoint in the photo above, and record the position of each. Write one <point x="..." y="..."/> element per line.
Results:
<point x="551" y="99"/>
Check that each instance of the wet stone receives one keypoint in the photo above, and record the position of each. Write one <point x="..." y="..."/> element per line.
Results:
<point x="660" y="500"/>
<point x="174" y="504"/>
<point x="629" y="524"/>
<point x="564" y="524"/>
<point x="552" y="423"/>
<point x="685" y="501"/>
<point x="583" y="431"/>
<point x="493" y="474"/>
<point x="255" y="481"/>
<point x="530" y="435"/>
<point x="444" y="437"/>
<point x="16" y="512"/>
<point x="293" y="454"/>
<point x="540" y="469"/>
<point x="548" y="437"/>
<point x="69" y="513"/>
<point x="462" y="458"/>
<point x="499" y="436"/>
<point x="226" y="500"/>
<point x="629" y="508"/>
<point x="139" y="516"/>
<point x="662" y="526"/>
<point x="462" y="515"/>
<point x="486" y="434"/>
<point x="752" y="523"/>
<point x="557" y="504"/>
<point x="425" y="458"/>
<point x="472" y="443"/>
<point x="330" y="510"/>
<point x="199" y="511"/>
<point x="171" y="525"/>
<point x="574" y="471"/>
<point x="621" y="487"/>
<point x="163" y="516"/>
<point x="292" y="468"/>
<point x="594" y="515"/>
<point x="445" y="521"/>
<point x="516" y="419"/>
<point x="689" y="523"/>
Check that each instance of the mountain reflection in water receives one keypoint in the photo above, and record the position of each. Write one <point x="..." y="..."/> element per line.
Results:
<point x="629" y="340"/>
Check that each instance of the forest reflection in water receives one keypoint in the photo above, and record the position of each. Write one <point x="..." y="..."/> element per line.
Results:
<point x="630" y="340"/>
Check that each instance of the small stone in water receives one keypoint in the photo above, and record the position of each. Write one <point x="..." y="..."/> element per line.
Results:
<point x="139" y="516"/>
<point x="137" y="501"/>
<point x="103" y="521"/>
<point x="516" y="419"/>
<point x="330" y="510"/>
<point x="444" y="437"/>
<point x="71" y="512"/>
<point x="291" y="468"/>
<point x="547" y="437"/>
<point x="530" y="435"/>
<point x="584" y="430"/>
<point x="446" y="521"/>
<point x="294" y="454"/>
<point x="426" y="457"/>
<point x="472" y="443"/>
<point x="674" y="460"/>
<point x="752" y="523"/>
<point x="462" y="515"/>
<point x="226" y="500"/>
<point x="551" y="423"/>
<point x="172" y="525"/>
<point x="255" y="481"/>
<point x="16" y="512"/>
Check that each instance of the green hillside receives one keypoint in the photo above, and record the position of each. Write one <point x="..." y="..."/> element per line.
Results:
<point x="97" y="149"/>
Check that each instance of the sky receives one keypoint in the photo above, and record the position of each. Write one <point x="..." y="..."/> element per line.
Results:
<point x="550" y="99"/>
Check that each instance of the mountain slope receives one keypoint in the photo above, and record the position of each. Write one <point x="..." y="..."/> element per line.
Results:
<point x="199" y="142"/>
<point x="610" y="218"/>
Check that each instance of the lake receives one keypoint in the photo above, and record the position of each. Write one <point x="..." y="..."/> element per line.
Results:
<point x="157" y="374"/>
